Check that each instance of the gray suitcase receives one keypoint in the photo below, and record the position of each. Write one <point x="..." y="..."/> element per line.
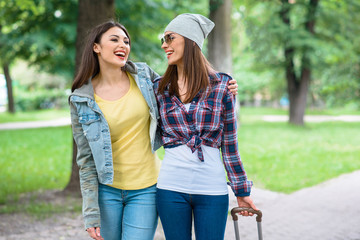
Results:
<point x="234" y="215"/>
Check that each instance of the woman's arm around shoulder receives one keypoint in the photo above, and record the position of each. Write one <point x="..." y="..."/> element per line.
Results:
<point x="152" y="74"/>
<point x="232" y="83"/>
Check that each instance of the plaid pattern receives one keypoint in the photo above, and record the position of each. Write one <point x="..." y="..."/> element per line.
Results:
<point x="210" y="121"/>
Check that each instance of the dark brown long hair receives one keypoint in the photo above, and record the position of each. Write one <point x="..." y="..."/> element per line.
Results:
<point x="89" y="65"/>
<point x="196" y="71"/>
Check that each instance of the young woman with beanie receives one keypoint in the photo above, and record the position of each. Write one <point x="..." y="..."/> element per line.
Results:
<point x="114" y="118"/>
<point x="197" y="119"/>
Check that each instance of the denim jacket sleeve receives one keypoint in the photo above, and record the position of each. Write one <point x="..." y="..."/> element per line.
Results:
<point x="87" y="173"/>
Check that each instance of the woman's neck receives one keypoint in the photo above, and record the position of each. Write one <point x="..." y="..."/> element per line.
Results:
<point x="111" y="84"/>
<point x="110" y="76"/>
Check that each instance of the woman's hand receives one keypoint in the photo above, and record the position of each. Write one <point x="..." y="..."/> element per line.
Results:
<point x="248" y="203"/>
<point x="94" y="232"/>
<point x="233" y="86"/>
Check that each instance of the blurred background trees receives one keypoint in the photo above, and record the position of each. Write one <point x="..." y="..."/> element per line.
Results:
<point x="41" y="33"/>
<point x="292" y="44"/>
<point x="273" y="47"/>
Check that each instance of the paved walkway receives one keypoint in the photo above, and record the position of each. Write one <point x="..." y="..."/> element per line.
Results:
<point x="328" y="211"/>
<point x="35" y="124"/>
<point x="267" y="118"/>
<point x="313" y="118"/>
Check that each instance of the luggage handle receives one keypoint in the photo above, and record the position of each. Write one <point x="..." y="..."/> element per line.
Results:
<point x="234" y="215"/>
<point x="239" y="209"/>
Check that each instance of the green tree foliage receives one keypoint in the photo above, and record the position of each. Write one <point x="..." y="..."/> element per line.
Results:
<point x="251" y="76"/>
<point x="41" y="32"/>
<point x="333" y="50"/>
<point x="339" y="51"/>
<point x="44" y="32"/>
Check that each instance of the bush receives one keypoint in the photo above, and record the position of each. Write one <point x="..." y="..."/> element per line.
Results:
<point x="40" y="99"/>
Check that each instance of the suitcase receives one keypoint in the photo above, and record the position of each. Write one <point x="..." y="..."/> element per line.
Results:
<point x="235" y="219"/>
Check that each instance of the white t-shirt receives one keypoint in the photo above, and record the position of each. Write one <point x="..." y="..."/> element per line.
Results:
<point x="182" y="171"/>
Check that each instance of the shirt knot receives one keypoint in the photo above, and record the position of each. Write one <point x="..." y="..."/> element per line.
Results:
<point x="194" y="143"/>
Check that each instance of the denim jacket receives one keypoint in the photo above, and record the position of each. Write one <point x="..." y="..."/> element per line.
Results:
<point x="92" y="136"/>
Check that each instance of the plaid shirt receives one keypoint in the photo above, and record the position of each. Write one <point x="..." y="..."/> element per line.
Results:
<point x="210" y="121"/>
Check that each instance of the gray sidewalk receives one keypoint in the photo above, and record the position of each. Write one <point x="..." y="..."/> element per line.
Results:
<point x="329" y="211"/>
<point x="267" y="118"/>
<point x="313" y="118"/>
<point x="35" y="124"/>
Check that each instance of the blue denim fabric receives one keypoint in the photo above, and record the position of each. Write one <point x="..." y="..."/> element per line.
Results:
<point x="92" y="136"/>
<point x="127" y="214"/>
<point x="176" y="210"/>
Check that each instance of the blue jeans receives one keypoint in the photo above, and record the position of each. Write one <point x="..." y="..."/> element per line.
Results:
<point x="127" y="214"/>
<point x="176" y="210"/>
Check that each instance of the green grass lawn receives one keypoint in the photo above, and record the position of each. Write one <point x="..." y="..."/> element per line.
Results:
<point x="33" y="159"/>
<point x="285" y="158"/>
<point x="277" y="156"/>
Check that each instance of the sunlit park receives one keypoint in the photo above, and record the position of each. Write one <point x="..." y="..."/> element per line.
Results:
<point x="297" y="66"/>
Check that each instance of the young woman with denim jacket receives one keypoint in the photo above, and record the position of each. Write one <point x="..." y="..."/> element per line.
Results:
<point x="114" y="118"/>
<point x="197" y="118"/>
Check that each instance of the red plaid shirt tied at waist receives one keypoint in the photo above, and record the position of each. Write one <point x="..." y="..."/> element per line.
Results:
<point x="210" y="121"/>
<point x="194" y="143"/>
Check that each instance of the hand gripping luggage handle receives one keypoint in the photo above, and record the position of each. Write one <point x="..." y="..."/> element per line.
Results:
<point x="236" y="210"/>
<point x="239" y="209"/>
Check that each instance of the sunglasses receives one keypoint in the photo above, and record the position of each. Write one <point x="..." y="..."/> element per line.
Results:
<point x="168" y="38"/>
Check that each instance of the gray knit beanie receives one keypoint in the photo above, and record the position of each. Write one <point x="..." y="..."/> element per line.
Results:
<point x="196" y="27"/>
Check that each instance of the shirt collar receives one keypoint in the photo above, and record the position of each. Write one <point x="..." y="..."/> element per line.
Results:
<point x="216" y="77"/>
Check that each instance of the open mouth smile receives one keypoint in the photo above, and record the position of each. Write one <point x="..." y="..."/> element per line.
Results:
<point x="121" y="54"/>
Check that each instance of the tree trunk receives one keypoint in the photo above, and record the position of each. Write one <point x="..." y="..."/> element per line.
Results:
<point x="305" y="77"/>
<point x="90" y="14"/>
<point x="297" y="111"/>
<point x="298" y="87"/>
<point x="219" y="43"/>
<point x="11" y="105"/>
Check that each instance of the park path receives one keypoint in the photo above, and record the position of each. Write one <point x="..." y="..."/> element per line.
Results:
<point x="267" y="118"/>
<point x="35" y="124"/>
<point x="313" y="118"/>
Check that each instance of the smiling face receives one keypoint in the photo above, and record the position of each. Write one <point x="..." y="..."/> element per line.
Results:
<point x="114" y="48"/>
<point x="174" y="48"/>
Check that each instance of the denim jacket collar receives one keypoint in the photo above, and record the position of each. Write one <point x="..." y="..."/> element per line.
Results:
<point x="130" y="67"/>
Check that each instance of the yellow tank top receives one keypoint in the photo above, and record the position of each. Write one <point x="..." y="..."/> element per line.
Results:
<point x="135" y="166"/>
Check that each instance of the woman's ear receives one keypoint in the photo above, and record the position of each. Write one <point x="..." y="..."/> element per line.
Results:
<point x="96" y="48"/>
